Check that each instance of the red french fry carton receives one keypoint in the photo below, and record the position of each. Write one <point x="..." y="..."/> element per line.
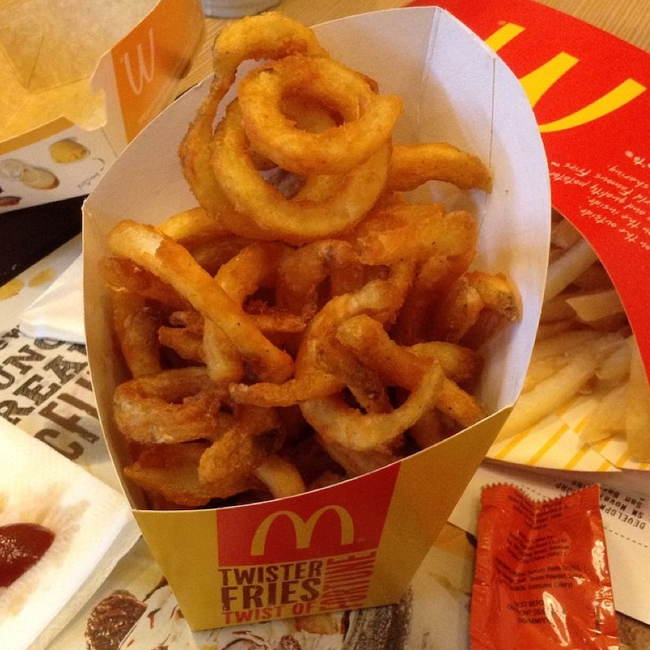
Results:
<point x="589" y="92"/>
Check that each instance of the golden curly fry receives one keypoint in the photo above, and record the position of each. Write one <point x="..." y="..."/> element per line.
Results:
<point x="268" y="36"/>
<point x="367" y="117"/>
<point x="264" y="212"/>
<point x="173" y="264"/>
<point x="415" y="164"/>
<point x="306" y="322"/>
<point x="348" y="427"/>
<point x="172" y="406"/>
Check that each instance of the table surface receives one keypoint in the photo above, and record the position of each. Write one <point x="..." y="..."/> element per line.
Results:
<point x="627" y="19"/>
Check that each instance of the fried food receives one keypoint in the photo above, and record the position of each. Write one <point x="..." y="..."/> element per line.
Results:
<point x="367" y="117"/>
<point x="171" y="406"/>
<point x="173" y="264"/>
<point x="262" y="211"/>
<point x="584" y="346"/>
<point x="268" y="36"/>
<point x="415" y="164"/>
<point x="284" y="333"/>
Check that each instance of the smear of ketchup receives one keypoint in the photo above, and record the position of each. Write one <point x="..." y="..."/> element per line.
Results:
<point x="21" y="547"/>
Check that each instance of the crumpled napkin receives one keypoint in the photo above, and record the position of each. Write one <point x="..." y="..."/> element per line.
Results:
<point x="58" y="313"/>
<point x="93" y="528"/>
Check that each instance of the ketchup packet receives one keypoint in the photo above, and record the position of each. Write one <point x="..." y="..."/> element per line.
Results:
<point x="542" y="577"/>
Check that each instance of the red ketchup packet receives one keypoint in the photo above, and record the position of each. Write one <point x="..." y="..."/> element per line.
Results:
<point x="542" y="576"/>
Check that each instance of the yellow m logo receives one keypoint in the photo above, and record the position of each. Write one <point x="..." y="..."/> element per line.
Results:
<point x="539" y="81"/>
<point x="303" y="529"/>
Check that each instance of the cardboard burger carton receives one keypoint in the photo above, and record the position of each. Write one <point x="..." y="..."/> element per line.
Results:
<point x="357" y="543"/>
<point x="79" y="84"/>
<point x="590" y="93"/>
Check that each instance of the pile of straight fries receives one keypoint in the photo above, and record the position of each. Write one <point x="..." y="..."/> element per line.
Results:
<point x="585" y="346"/>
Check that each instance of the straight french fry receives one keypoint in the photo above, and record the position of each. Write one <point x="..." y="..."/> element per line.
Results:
<point x="585" y="345"/>
<point x="565" y="343"/>
<point x="637" y="416"/>
<point x="616" y="367"/>
<point x="594" y="306"/>
<point x="542" y="369"/>
<point x="549" y="395"/>
<point x="563" y="233"/>
<point x="608" y="418"/>
<point x="565" y="269"/>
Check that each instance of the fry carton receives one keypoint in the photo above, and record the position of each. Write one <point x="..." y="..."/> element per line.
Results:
<point x="589" y="91"/>
<point x="77" y="85"/>
<point x="359" y="542"/>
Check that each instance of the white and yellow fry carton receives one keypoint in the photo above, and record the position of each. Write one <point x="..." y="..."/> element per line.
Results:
<point x="357" y="543"/>
<point x="78" y="83"/>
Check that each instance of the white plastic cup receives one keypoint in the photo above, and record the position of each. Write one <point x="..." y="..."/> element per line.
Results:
<point x="236" y="8"/>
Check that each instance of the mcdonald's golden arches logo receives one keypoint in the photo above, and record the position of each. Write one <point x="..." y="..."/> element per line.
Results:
<point x="304" y="529"/>
<point x="346" y="518"/>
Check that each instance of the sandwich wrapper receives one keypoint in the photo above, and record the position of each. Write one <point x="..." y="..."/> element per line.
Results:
<point x="92" y="525"/>
<point x="373" y="531"/>
<point x="79" y="84"/>
<point x="58" y="312"/>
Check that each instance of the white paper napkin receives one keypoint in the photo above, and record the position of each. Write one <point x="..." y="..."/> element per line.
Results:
<point x="58" y="312"/>
<point x="93" y="529"/>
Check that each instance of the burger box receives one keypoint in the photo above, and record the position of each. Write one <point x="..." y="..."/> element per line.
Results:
<point x="590" y="93"/>
<point x="101" y="73"/>
<point x="357" y="543"/>
<point x="79" y="84"/>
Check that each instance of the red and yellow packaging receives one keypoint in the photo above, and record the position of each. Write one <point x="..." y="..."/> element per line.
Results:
<point x="358" y="543"/>
<point x="584" y="85"/>
<point x="590" y="94"/>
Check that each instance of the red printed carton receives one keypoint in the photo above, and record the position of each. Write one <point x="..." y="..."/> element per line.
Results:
<point x="591" y="95"/>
